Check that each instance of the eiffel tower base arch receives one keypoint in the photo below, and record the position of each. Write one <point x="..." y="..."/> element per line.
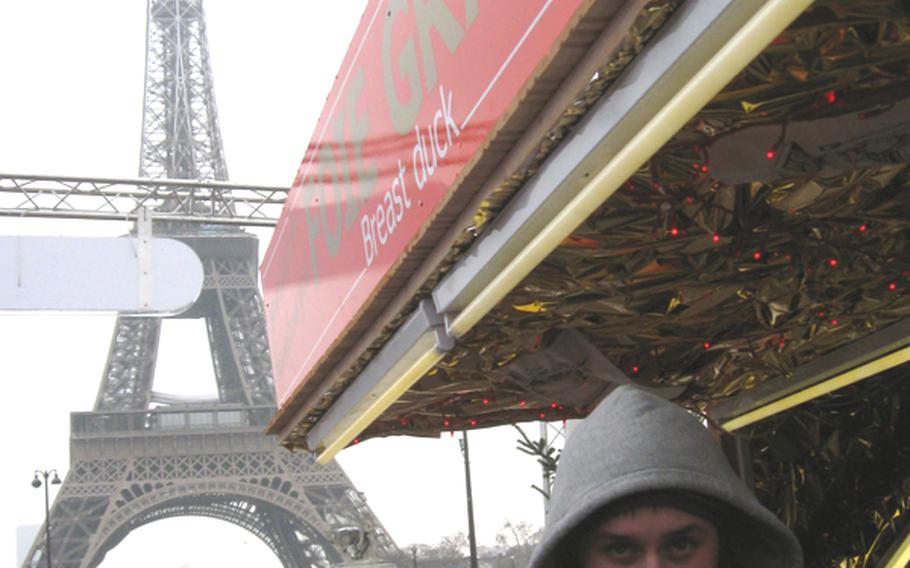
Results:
<point x="123" y="478"/>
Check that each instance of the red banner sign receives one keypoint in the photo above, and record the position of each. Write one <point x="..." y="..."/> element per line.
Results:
<point x="422" y="86"/>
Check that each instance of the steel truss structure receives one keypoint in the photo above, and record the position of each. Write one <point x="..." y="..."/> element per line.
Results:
<point x="120" y="199"/>
<point x="140" y="455"/>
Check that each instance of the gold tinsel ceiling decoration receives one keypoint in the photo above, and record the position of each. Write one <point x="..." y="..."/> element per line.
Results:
<point x="837" y="470"/>
<point x="694" y="281"/>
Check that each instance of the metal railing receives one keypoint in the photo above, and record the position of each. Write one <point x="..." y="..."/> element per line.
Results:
<point x="169" y="420"/>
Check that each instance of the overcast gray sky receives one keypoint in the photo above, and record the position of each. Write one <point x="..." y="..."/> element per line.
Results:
<point x="71" y="104"/>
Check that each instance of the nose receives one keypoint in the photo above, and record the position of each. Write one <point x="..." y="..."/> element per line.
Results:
<point x="653" y="560"/>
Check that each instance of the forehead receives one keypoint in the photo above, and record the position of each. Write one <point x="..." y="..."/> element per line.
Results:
<point x="649" y="519"/>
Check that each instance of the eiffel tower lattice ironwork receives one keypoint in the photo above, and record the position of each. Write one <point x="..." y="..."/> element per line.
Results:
<point x="140" y="456"/>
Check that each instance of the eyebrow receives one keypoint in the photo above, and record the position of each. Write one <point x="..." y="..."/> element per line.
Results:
<point x="687" y="529"/>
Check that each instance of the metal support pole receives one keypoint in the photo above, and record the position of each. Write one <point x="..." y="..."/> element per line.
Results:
<point x="144" y="257"/>
<point x="545" y="477"/>
<point x="472" y="542"/>
<point x="47" y="521"/>
<point x="736" y="448"/>
<point x="47" y="507"/>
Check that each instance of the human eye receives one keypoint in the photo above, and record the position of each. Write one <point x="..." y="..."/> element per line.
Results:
<point x="619" y="550"/>
<point x="681" y="547"/>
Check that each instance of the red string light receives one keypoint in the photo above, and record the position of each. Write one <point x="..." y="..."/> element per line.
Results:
<point x="486" y="401"/>
<point x="832" y="262"/>
<point x="770" y="154"/>
<point x="542" y="415"/>
<point x="707" y="345"/>
<point x="356" y="441"/>
<point x="757" y="255"/>
<point x="473" y="422"/>
<point x="674" y="231"/>
<point x="715" y="238"/>
<point x="831" y="97"/>
<point x="892" y="286"/>
<point x="834" y="323"/>
<point x="522" y="403"/>
<point x="635" y="369"/>
<point x="553" y="405"/>
<point x="704" y="168"/>
<point x="445" y="423"/>
<point x="862" y="228"/>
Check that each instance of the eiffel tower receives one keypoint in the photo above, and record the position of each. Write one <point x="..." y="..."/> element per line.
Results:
<point x="140" y="456"/>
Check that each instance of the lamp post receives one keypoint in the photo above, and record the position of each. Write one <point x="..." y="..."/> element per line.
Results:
<point x="472" y="542"/>
<point x="36" y="483"/>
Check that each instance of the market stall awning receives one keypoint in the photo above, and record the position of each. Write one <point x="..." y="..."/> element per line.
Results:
<point x="716" y="212"/>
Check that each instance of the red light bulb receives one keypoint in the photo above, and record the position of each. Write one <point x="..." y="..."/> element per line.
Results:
<point x="715" y="238"/>
<point x="757" y="255"/>
<point x="892" y="286"/>
<point x="473" y="422"/>
<point x="832" y="262"/>
<point x="356" y="441"/>
<point x="674" y="231"/>
<point x="831" y="97"/>
<point x="862" y="228"/>
<point x="635" y="369"/>
<point x="707" y="345"/>
<point x="834" y="323"/>
<point x="486" y="401"/>
<point x="553" y="405"/>
<point x="541" y="415"/>
<point x="445" y="423"/>
<point x="770" y="154"/>
<point x="522" y="403"/>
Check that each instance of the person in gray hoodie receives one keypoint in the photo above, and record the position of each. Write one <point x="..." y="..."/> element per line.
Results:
<point x="642" y="483"/>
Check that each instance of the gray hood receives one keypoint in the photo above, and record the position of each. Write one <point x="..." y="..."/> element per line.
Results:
<point x="635" y="442"/>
